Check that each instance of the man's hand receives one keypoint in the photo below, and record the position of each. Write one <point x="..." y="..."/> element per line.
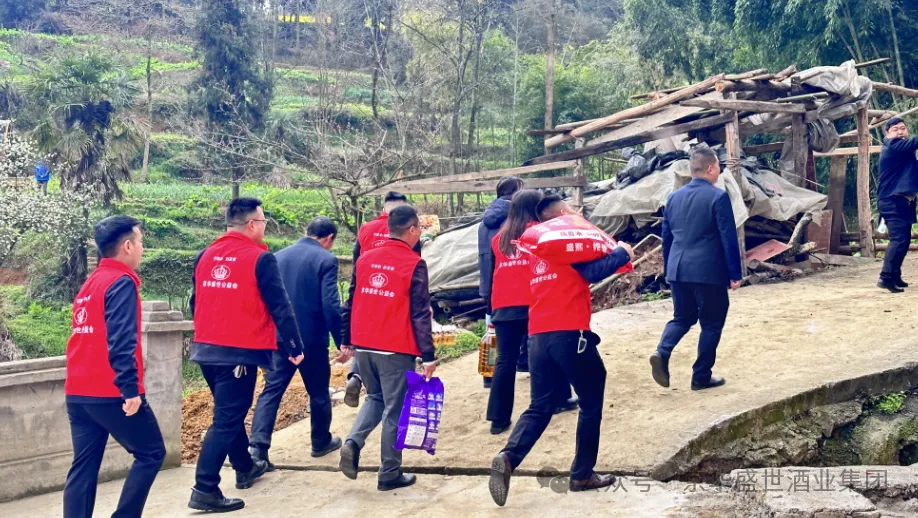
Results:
<point x="296" y="361"/>
<point x="627" y="248"/>
<point x="429" y="369"/>
<point x="131" y="406"/>
<point x="734" y="285"/>
<point x="345" y="354"/>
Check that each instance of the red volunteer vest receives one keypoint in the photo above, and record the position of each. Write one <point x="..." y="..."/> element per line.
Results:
<point x="88" y="371"/>
<point x="228" y="308"/>
<point x="374" y="233"/>
<point x="561" y="299"/>
<point x="381" y="309"/>
<point x="510" y="283"/>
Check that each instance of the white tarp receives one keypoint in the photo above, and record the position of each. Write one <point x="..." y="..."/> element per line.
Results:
<point x="452" y="257"/>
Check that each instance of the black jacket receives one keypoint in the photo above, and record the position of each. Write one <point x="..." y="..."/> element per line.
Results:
<point x="898" y="168"/>
<point x="273" y="293"/>
<point x="419" y="294"/>
<point x="310" y="275"/>
<point x="493" y="218"/>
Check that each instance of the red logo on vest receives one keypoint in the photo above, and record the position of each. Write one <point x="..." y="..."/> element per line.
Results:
<point x="379" y="280"/>
<point x="220" y="273"/>
<point x="539" y="267"/>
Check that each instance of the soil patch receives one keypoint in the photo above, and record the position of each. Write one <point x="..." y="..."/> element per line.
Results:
<point x="13" y="276"/>
<point x="644" y="283"/>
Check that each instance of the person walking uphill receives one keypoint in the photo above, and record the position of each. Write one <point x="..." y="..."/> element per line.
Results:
<point x="387" y="320"/>
<point x="561" y="342"/>
<point x="310" y="275"/>
<point x="371" y="235"/>
<point x="240" y="306"/>
<point x="104" y="388"/>
<point x="896" y="192"/>
<point x="702" y="260"/>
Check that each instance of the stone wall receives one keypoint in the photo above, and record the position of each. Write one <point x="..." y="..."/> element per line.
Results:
<point x="36" y="452"/>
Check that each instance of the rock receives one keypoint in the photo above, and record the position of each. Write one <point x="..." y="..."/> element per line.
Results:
<point x="867" y="514"/>
<point x="337" y="396"/>
<point x="878" y="438"/>
<point x="830" y="417"/>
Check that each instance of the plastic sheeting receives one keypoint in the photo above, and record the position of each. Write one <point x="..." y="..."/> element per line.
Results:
<point x="452" y="258"/>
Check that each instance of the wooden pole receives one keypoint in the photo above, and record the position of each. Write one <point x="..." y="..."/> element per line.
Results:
<point x="837" y="173"/>
<point x="734" y="154"/>
<point x="550" y="74"/>
<point x="799" y="150"/>
<point x="864" y="216"/>
<point x="578" y="173"/>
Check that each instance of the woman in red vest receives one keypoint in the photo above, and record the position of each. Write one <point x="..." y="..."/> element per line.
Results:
<point x="509" y="309"/>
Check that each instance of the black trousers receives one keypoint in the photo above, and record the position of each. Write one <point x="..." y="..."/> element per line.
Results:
<point x="550" y="355"/>
<point x="512" y="340"/>
<point x="316" y="373"/>
<point x="90" y="426"/>
<point x="704" y="303"/>
<point x="899" y="215"/>
<point x="226" y="436"/>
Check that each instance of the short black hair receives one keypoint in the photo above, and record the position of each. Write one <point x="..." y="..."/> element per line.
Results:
<point x="508" y="185"/>
<point x="395" y="196"/>
<point x="112" y="232"/>
<point x="547" y="202"/>
<point x="240" y="209"/>
<point x="401" y="219"/>
<point x="892" y="122"/>
<point x="702" y="158"/>
<point x="321" y="227"/>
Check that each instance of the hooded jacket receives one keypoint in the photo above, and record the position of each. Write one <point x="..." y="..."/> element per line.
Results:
<point x="494" y="217"/>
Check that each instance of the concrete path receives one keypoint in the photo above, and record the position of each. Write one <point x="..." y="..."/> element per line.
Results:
<point x="780" y="340"/>
<point x="294" y="494"/>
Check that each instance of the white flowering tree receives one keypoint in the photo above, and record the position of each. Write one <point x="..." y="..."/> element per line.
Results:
<point x="18" y="156"/>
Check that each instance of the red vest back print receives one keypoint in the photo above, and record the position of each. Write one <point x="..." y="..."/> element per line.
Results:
<point x="374" y="233"/>
<point x="561" y="299"/>
<point x="381" y="309"/>
<point x="510" y="283"/>
<point x="228" y="309"/>
<point x="88" y="371"/>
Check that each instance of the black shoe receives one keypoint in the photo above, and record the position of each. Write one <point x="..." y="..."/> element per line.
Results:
<point x="900" y="283"/>
<point x="352" y="391"/>
<point x="214" y="502"/>
<point x="893" y="288"/>
<point x="247" y="480"/>
<point x="334" y="445"/>
<point x="398" y="483"/>
<point x="715" y="381"/>
<point x="259" y="453"/>
<point x="499" y="428"/>
<point x="487" y="382"/>
<point x="659" y="368"/>
<point x="522" y="368"/>
<point x="499" y="484"/>
<point x="569" y="406"/>
<point x="350" y="459"/>
<point x="596" y="481"/>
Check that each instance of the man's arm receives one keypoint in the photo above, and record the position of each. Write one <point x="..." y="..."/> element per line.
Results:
<point x="346" y="307"/>
<point x="331" y="301"/>
<point x="121" y="326"/>
<point x="667" y="236"/>
<point x="194" y="268"/>
<point x="420" y="313"/>
<point x="726" y="225"/>
<point x="492" y="261"/>
<point x="903" y="145"/>
<point x="275" y="296"/>
<point x="596" y="271"/>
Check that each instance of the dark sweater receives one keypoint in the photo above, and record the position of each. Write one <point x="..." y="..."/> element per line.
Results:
<point x="493" y="218"/>
<point x="898" y="168"/>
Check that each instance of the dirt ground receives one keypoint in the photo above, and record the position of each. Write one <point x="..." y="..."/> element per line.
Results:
<point x="13" y="276"/>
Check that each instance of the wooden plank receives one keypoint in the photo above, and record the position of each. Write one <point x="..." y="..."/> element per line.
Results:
<point x="748" y="85"/>
<point x="649" y="123"/>
<point x="649" y="136"/>
<point x="486" y="185"/>
<point x="799" y="149"/>
<point x="578" y="173"/>
<point x="837" y="173"/>
<point x="885" y="236"/>
<point x="484" y="175"/>
<point x="864" y="217"/>
<point x="878" y="124"/>
<point x="881" y="247"/>
<point x="745" y="106"/>
<point x="746" y="75"/>
<point x="872" y="63"/>
<point x="848" y="151"/>
<point x="637" y="111"/>
<point x="734" y="154"/>
<point x="774" y="147"/>
<point x="896" y="89"/>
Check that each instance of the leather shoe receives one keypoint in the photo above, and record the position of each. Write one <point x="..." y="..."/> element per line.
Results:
<point x="596" y="481"/>
<point x="659" y="368"/>
<point x="352" y="391"/>
<point x="214" y="502"/>
<point x="350" y="459"/>
<point x="893" y="288"/>
<point x="259" y="453"/>
<point x="333" y="445"/>
<point x="569" y="406"/>
<point x="499" y="428"/>
<point x="398" y="483"/>
<point x="715" y="381"/>
<point x="900" y="283"/>
<point x="499" y="483"/>
<point x="246" y="480"/>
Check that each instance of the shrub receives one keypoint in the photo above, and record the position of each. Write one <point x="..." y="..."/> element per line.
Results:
<point x="168" y="273"/>
<point x="38" y="330"/>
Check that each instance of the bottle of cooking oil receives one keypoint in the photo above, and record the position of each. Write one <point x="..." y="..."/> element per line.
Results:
<point x="487" y="353"/>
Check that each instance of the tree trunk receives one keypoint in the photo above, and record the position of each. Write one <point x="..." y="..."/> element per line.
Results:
<point x="237" y="180"/>
<point x="297" y="23"/>
<point x="895" y="37"/>
<point x="146" y="140"/>
<point x="550" y="72"/>
<point x="476" y="75"/>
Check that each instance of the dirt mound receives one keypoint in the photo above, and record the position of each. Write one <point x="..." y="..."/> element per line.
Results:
<point x="646" y="280"/>
<point x="198" y="410"/>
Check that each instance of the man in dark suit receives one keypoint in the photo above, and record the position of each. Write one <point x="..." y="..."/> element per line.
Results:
<point x="310" y="275"/>
<point x="898" y="186"/>
<point x="702" y="259"/>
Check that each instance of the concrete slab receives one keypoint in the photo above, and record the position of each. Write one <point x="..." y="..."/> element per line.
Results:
<point x="780" y="340"/>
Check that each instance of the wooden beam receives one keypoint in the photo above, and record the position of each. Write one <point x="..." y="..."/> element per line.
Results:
<point x="746" y="75"/>
<point x="745" y="106"/>
<point x="487" y="185"/>
<point x="764" y="148"/>
<point x="799" y="151"/>
<point x="896" y="89"/>
<point x="872" y="63"/>
<point x="651" y="122"/>
<point x="637" y="111"/>
<point x="854" y="133"/>
<point x="734" y="155"/>
<point x="748" y="85"/>
<point x="848" y="151"/>
<point x="649" y="136"/>
<point x="658" y="92"/>
<point x="837" y="175"/>
<point x="497" y="173"/>
<point x="864" y="217"/>
<point x="878" y="236"/>
<point x="787" y="72"/>
<point x="881" y="247"/>
<point x="578" y="173"/>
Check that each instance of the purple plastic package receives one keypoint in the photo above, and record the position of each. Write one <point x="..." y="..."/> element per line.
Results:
<point x="419" y="424"/>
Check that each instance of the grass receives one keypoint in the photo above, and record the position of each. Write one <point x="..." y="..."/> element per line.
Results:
<point x="887" y="404"/>
<point x="192" y="378"/>
<point x="39" y="331"/>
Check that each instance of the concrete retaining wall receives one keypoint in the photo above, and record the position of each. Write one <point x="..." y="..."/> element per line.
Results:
<point x="35" y="447"/>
